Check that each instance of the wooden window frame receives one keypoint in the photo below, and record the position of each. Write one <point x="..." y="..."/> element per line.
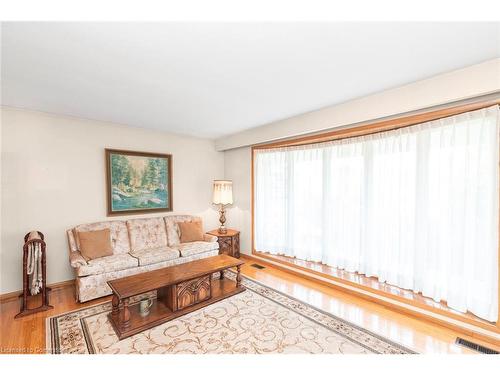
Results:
<point x="365" y="129"/>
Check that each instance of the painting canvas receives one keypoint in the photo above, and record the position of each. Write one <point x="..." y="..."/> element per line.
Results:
<point x="138" y="182"/>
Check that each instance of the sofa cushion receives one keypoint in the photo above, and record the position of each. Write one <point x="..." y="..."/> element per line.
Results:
<point x="107" y="264"/>
<point x="147" y="234"/>
<point x="197" y="247"/>
<point x="172" y="227"/>
<point x="156" y="255"/>
<point x="190" y="231"/>
<point x="118" y="230"/>
<point x="95" y="244"/>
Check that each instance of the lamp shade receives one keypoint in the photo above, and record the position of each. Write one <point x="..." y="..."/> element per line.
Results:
<point x="223" y="192"/>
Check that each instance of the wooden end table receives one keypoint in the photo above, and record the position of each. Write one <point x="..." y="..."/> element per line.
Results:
<point x="229" y="243"/>
<point x="180" y="290"/>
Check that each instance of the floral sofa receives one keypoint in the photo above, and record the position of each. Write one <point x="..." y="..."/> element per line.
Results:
<point x="139" y="245"/>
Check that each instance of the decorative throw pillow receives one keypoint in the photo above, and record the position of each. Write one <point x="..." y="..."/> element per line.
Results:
<point x="95" y="244"/>
<point x="190" y="231"/>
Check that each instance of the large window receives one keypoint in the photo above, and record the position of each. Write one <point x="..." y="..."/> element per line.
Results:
<point x="416" y="207"/>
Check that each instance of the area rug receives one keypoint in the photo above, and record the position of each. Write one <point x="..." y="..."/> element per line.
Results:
<point x="259" y="320"/>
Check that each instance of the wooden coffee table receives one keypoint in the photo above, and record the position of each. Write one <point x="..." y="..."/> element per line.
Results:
<point x="180" y="290"/>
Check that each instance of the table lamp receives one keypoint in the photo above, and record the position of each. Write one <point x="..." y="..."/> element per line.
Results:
<point x="223" y="195"/>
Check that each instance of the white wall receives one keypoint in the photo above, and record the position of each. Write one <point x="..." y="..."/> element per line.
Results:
<point x="237" y="167"/>
<point x="54" y="178"/>
<point x="474" y="81"/>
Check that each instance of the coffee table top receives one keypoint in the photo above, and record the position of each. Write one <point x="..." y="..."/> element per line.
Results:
<point x="147" y="281"/>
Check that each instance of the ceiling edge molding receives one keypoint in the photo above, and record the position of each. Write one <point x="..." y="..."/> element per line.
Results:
<point x="455" y="86"/>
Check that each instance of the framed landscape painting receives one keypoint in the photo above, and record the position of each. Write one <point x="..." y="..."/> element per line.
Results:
<point x="138" y="182"/>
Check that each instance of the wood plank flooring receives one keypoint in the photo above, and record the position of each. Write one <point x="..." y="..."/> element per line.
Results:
<point x="27" y="335"/>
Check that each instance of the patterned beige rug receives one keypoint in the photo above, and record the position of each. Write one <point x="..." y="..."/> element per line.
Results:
<point x="259" y="320"/>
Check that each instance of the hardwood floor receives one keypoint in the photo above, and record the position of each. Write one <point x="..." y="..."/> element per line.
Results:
<point x="27" y="335"/>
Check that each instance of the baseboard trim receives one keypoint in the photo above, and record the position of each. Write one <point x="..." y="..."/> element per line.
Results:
<point x="398" y="306"/>
<point x="7" y="297"/>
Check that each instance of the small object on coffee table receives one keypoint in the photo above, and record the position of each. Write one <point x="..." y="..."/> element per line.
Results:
<point x="180" y="290"/>
<point x="144" y="306"/>
<point x="229" y="243"/>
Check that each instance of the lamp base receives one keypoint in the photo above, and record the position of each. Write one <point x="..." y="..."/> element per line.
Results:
<point x="222" y="220"/>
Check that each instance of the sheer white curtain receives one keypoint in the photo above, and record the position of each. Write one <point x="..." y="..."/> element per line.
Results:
<point x="417" y="207"/>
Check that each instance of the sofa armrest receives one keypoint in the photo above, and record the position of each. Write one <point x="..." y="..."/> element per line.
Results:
<point x="209" y="238"/>
<point x="76" y="259"/>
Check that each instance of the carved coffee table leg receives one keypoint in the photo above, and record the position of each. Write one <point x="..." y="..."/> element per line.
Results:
<point x="125" y="315"/>
<point x="238" y="276"/>
<point x="221" y="275"/>
<point x="115" y="302"/>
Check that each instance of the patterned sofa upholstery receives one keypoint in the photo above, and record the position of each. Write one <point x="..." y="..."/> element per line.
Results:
<point x="139" y="245"/>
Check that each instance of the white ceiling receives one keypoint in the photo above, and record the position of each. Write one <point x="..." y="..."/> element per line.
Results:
<point x="214" y="79"/>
